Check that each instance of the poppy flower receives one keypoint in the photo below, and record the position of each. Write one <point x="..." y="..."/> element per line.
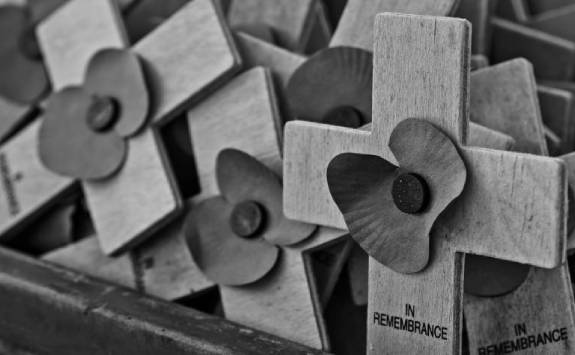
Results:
<point x="333" y="86"/>
<point x="391" y="209"/>
<point x="23" y="77"/>
<point x="235" y="238"/>
<point x="85" y="128"/>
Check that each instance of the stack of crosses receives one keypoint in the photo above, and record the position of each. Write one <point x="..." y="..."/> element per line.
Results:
<point x="506" y="201"/>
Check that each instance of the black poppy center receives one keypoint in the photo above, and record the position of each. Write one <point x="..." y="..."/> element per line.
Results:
<point x="29" y="44"/>
<point x="344" y="116"/>
<point x="103" y="113"/>
<point x="410" y="193"/>
<point x="247" y="219"/>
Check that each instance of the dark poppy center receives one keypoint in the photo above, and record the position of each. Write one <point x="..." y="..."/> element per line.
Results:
<point x="103" y="113"/>
<point x="344" y="116"/>
<point x="410" y="193"/>
<point x="29" y="44"/>
<point x="247" y="219"/>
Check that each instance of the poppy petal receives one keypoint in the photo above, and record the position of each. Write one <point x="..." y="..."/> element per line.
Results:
<point x="339" y="77"/>
<point x="67" y="145"/>
<point x="221" y="255"/>
<point x="361" y="187"/>
<point x="24" y="78"/>
<point x="117" y="73"/>
<point x="243" y="178"/>
<point x="489" y="277"/>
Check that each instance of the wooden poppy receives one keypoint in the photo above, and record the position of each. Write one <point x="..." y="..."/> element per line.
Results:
<point x="333" y="86"/>
<point x="235" y="238"/>
<point x="84" y="130"/>
<point x="23" y="78"/>
<point x="391" y="209"/>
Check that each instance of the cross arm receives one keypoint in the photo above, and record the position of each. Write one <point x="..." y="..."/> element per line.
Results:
<point x="519" y="196"/>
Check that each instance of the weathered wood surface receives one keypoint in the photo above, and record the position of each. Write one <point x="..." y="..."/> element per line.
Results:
<point x="61" y="312"/>
<point x="504" y="98"/>
<point x="543" y="302"/>
<point x="242" y="115"/>
<point x="496" y="177"/>
<point x="176" y="79"/>
<point x="355" y="28"/>
<point x="29" y="189"/>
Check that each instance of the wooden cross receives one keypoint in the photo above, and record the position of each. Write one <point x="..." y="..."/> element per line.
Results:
<point x="300" y="26"/>
<point x="421" y="70"/>
<point x="244" y="115"/>
<point x="542" y="303"/>
<point x="140" y="199"/>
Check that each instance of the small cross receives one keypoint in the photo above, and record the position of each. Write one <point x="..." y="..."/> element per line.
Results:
<point x="244" y="115"/>
<point x="421" y="71"/>
<point x="132" y="204"/>
<point x="505" y="97"/>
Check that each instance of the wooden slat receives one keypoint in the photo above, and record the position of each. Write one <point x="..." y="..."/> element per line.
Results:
<point x="355" y="28"/>
<point x="291" y="20"/>
<point x="552" y="57"/>
<point x="12" y="116"/>
<point x="28" y="188"/>
<point x="558" y="22"/>
<point x="50" y="310"/>
<point x="481" y="136"/>
<point x="188" y="57"/>
<point x="504" y="98"/>
<point x="558" y="113"/>
<point x="478" y="12"/>
<point x="541" y="6"/>
<point x="242" y="115"/>
<point x="256" y="52"/>
<point x="73" y="34"/>
<point x="285" y="302"/>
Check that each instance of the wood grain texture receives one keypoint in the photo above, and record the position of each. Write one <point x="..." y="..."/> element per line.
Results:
<point x="242" y="115"/>
<point x="256" y="52"/>
<point x="544" y="301"/>
<point x="558" y="22"/>
<point x="162" y="266"/>
<point x="558" y="113"/>
<point x="504" y="98"/>
<point x="478" y="12"/>
<point x="481" y="136"/>
<point x="186" y="58"/>
<point x="507" y="190"/>
<point x="86" y="257"/>
<point x="74" y="33"/>
<point x="28" y="188"/>
<point x="285" y="302"/>
<point x="165" y="266"/>
<point x="92" y="317"/>
<point x="291" y="20"/>
<point x="355" y="27"/>
<point x="553" y="58"/>
<point x="175" y="78"/>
